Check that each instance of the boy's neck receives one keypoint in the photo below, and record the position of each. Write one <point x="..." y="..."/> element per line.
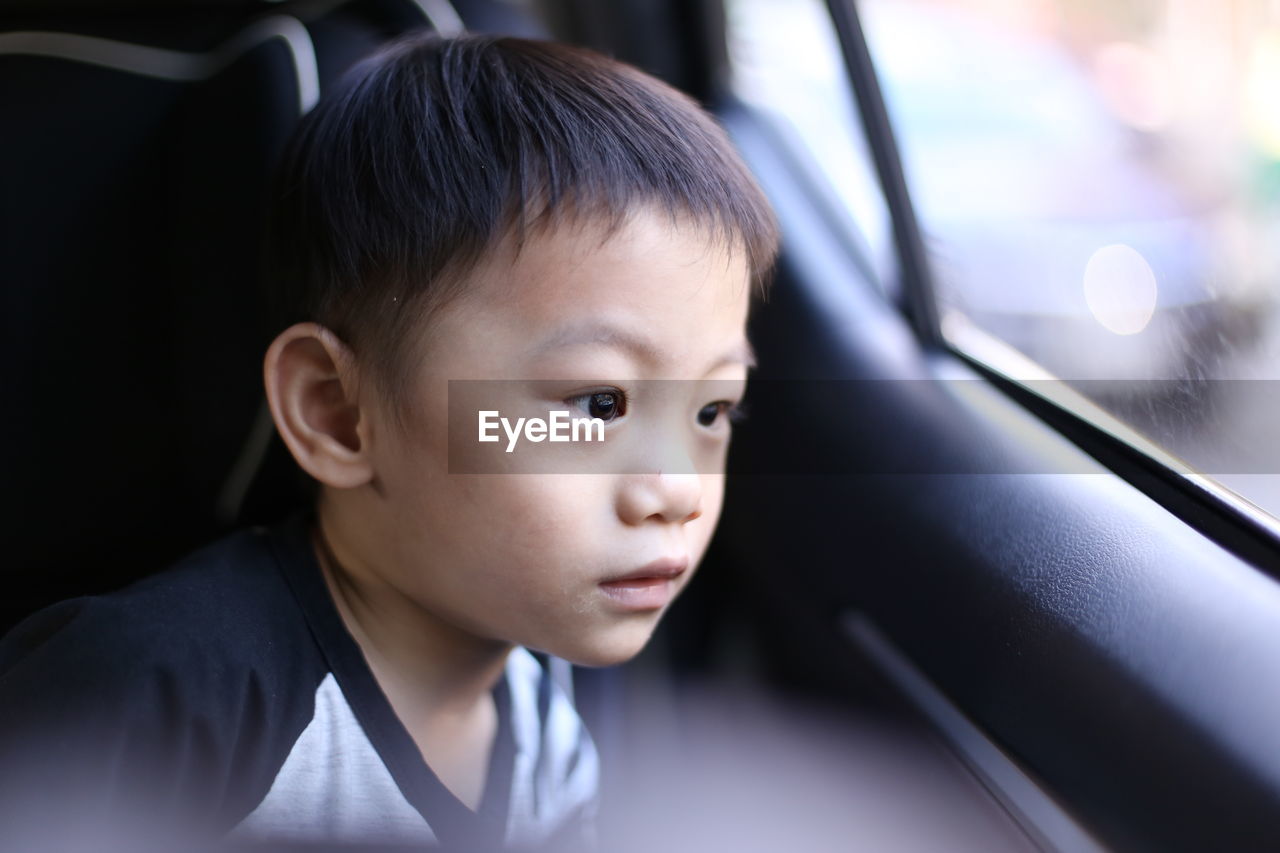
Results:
<point x="427" y="667"/>
<point x="437" y="678"/>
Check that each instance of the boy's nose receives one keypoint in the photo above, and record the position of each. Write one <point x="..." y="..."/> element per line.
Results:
<point x="666" y="497"/>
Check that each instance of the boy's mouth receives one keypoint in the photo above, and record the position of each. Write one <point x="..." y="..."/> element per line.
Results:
<point x="650" y="587"/>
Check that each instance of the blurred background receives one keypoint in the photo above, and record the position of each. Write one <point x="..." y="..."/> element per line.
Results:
<point x="1098" y="182"/>
<point x="1098" y="187"/>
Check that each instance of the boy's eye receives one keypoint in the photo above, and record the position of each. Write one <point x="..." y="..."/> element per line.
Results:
<point x="605" y="405"/>
<point x="707" y="414"/>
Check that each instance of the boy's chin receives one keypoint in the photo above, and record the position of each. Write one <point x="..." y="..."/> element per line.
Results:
<point x="615" y="647"/>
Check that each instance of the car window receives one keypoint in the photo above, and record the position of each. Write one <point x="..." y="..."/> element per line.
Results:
<point x="1096" y="183"/>
<point x="1098" y="187"/>
<point x="807" y="93"/>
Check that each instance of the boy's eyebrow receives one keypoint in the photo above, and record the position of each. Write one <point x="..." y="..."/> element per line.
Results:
<point x="602" y="334"/>
<point x="606" y="334"/>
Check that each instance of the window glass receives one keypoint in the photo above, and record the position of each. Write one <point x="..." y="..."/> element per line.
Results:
<point x="1098" y="186"/>
<point x="786" y="60"/>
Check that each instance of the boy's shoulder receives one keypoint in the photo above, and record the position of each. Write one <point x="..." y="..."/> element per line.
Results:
<point x="224" y="606"/>
<point x="162" y="691"/>
<point x="223" y="693"/>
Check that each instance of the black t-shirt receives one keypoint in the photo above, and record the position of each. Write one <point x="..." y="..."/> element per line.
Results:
<point x="225" y="698"/>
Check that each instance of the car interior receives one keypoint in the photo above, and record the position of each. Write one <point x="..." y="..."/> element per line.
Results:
<point x="941" y="610"/>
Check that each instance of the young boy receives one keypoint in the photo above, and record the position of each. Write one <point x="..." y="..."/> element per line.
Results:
<point x="524" y="224"/>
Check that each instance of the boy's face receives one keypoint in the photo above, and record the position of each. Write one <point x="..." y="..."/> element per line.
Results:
<point x="542" y="559"/>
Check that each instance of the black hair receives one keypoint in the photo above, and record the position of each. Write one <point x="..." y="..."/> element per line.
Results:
<point x="434" y="150"/>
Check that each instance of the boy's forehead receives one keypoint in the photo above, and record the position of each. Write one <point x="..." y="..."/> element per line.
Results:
<point x="649" y="254"/>
<point x="620" y="337"/>
<point x="651" y="288"/>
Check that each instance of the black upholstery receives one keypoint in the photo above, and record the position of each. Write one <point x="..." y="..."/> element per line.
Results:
<point x="130" y="306"/>
<point x="132" y="315"/>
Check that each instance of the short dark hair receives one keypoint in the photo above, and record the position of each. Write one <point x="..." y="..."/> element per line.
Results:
<point x="433" y="150"/>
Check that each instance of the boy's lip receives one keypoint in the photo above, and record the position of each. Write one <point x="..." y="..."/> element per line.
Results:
<point x="647" y="589"/>
<point x="665" y="568"/>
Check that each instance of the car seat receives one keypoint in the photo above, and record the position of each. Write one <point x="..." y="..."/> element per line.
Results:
<point x="138" y="142"/>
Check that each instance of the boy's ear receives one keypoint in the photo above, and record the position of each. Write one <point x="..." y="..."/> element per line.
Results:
<point x="311" y="387"/>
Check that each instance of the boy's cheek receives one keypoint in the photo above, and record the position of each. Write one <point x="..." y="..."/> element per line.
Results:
<point x="540" y="508"/>
<point x="699" y="532"/>
<point x="515" y="512"/>
<point x="704" y="527"/>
